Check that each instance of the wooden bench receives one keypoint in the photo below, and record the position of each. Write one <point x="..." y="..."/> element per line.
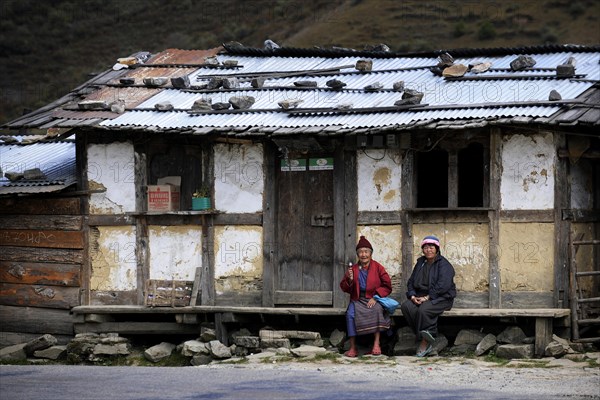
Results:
<point x="544" y="317"/>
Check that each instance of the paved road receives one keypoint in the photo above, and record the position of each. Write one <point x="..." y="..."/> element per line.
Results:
<point x="264" y="382"/>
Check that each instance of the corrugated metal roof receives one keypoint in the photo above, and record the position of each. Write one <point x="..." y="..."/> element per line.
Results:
<point x="55" y="159"/>
<point x="437" y="91"/>
<point x="513" y="90"/>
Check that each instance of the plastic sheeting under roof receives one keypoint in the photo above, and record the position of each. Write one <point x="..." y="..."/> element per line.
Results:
<point x="509" y="87"/>
<point x="56" y="160"/>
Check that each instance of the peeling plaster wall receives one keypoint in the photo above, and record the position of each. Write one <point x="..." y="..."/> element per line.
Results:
<point x="526" y="256"/>
<point x="528" y="172"/>
<point x="112" y="258"/>
<point x="387" y="250"/>
<point x="466" y="246"/>
<point x="379" y="173"/>
<point x="238" y="258"/>
<point x="175" y="252"/>
<point x="582" y="186"/>
<point x="111" y="168"/>
<point x="239" y="178"/>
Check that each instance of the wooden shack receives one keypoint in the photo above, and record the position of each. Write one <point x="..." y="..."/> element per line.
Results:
<point x="495" y="151"/>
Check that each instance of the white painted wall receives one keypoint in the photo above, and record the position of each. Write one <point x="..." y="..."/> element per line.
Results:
<point x="239" y="178"/>
<point x="111" y="167"/>
<point x="175" y="252"/>
<point x="379" y="179"/>
<point x="528" y="172"/>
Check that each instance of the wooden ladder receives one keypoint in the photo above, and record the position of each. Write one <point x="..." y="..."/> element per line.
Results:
<point x="581" y="306"/>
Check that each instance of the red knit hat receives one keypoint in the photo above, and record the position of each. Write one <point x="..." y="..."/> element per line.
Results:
<point x="363" y="242"/>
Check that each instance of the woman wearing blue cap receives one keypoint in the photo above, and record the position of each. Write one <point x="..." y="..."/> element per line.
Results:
<point x="431" y="291"/>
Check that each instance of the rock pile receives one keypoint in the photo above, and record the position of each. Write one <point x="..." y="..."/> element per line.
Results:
<point x="511" y="343"/>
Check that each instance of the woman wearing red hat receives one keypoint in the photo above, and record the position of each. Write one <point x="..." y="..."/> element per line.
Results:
<point x="362" y="281"/>
<point x="431" y="291"/>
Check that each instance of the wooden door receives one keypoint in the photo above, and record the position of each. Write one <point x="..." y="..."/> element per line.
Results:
<point x="304" y="232"/>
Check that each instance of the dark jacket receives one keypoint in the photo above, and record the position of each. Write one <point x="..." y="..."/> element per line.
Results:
<point x="378" y="282"/>
<point x="441" y="280"/>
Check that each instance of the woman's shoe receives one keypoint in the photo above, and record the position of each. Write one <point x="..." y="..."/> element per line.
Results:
<point x="427" y="336"/>
<point x="375" y="352"/>
<point x="425" y="352"/>
<point x="351" y="354"/>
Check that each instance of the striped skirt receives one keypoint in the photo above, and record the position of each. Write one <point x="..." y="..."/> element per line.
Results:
<point x="370" y="320"/>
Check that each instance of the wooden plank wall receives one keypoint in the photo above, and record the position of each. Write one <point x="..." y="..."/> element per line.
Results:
<point x="41" y="256"/>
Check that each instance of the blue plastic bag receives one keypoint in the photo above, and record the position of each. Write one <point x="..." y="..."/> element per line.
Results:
<point x="387" y="303"/>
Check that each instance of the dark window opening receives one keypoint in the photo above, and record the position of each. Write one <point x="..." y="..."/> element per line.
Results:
<point x="432" y="179"/>
<point x="470" y="176"/>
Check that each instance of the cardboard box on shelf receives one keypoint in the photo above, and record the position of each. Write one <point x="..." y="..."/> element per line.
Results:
<point x="164" y="196"/>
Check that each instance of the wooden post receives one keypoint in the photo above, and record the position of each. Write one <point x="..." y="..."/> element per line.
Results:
<point x="543" y="335"/>
<point x="407" y="198"/>
<point x="495" y="282"/>
<point x="268" y="224"/>
<point x="562" y="201"/>
<point x="208" y="233"/>
<point x="350" y="205"/>
<point x="339" y="225"/>
<point x="82" y="185"/>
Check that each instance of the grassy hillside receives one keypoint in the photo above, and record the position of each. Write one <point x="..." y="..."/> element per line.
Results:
<point x="49" y="47"/>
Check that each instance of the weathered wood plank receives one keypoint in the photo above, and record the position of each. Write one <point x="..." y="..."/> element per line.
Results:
<point x="83" y="184"/>
<point x="40" y="273"/>
<point x="339" y="217"/>
<point x="238" y="219"/>
<point x="67" y="206"/>
<point x="240" y="299"/>
<point x="111" y="220"/>
<point x="562" y="228"/>
<point x="471" y="300"/>
<point x="113" y="297"/>
<point x="43" y="222"/>
<point x="129" y="328"/>
<point x="43" y="296"/>
<point x="41" y="238"/>
<point x="494" y="218"/>
<point x="350" y="208"/>
<point x="208" y="291"/>
<point x="269" y="221"/>
<point x="581" y="215"/>
<point x="324" y="311"/>
<point x="303" y="297"/>
<point x="142" y="256"/>
<point x="527" y="215"/>
<point x="424" y="216"/>
<point x="543" y="334"/>
<point x="379" y="218"/>
<point x="36" y="320"/>
<point x="66" y="256"/>
<point x="406" y="219"/>
<point x="527" y="300"/>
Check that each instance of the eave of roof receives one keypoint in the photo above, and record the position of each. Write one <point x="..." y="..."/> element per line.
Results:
<point x="523" y="95"/>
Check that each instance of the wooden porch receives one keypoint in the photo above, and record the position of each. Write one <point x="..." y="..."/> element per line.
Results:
<point x="98" y="318"/>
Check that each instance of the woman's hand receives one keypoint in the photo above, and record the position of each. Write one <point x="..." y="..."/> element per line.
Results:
<point x="371" y="302"/>
<point x="419" y="300"/>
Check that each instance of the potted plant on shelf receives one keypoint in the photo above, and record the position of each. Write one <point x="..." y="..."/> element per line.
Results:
<point x="201" y="199"/>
